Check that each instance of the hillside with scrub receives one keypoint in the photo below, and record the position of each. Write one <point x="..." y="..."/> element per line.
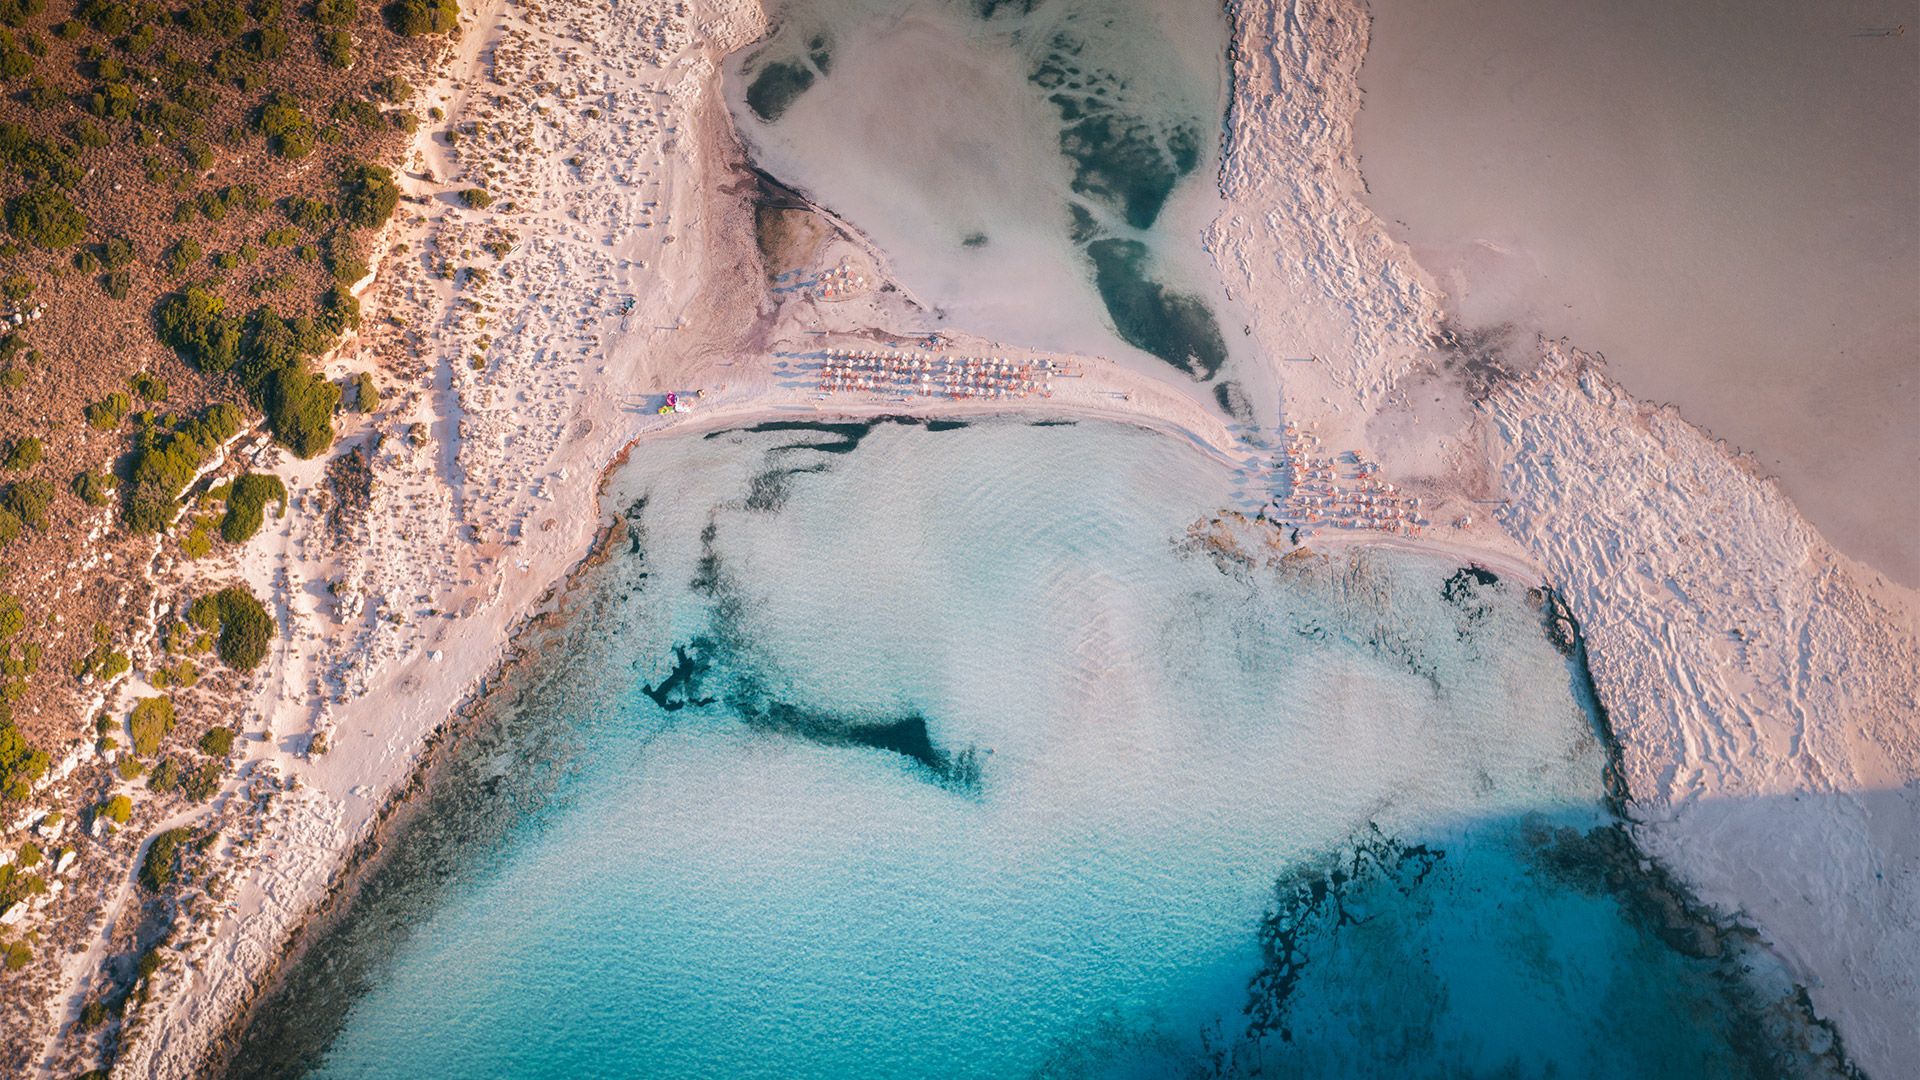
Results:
<point x="190" y="194"/>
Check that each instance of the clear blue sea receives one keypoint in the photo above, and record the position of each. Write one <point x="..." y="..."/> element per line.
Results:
<point x="898" y="752"/>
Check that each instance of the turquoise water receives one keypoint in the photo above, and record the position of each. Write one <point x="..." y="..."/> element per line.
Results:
<point x="880" y="750"/>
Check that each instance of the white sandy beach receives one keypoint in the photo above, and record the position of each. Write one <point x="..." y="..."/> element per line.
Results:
<point x="1764" y="687"/>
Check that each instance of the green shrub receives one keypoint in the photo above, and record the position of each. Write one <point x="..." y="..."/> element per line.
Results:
<point x="164" y="463"/>
<point x="24" y="453"/>
<point x="110" y="17"/>
<point x="151" y="719"/>
<point x="306" y="213"/>
<point x="182" y="256"/>
<point x="116" y="252"/>
<point x="15" y="62"/>
<point x="299" y="407"/>
<point x="201" y="784"/>
<point x="36" y="160"/>
<point x="182" y="674"/>
<point x="27" y="501"/>
<point x="18" y="955"/>
<point x="116" y="283"/>
<point x="194" y="324"/>
<point x="197" y="543"/>
<point x="107" y="413"/>
<point x="17" y="12"/>
<point x="366" y="396"/>
<point x="40" y="97"/>
<point x="13" y="617"/>
<point x="246" y="630"/>
<point x="148" y="386"/>
<point x="95" y="489"/>
<point x="47" y="218"/>
<point x="157" y="870"/>
<point x="129" y="767"/>
<point x="217" y="18"/>
<point x="477" y="198"/>
<point x="289" y="132"/>
<point x="344" y="259"/>
<point x="166" y="776"/>
<point x="268" y="344"/>
<point x="266" y="43"/>
<point x="118" y="809"/>
<point x="336" y="48"/>
<point x="394" y="88"/>
<point x="368" y="195"/>
<point x="412" y="18"/>
<point x="359" y="111"/>
<point x="218" y="741"/>
<point x="199" y="156"/>
<point x="246" y="505"/>
<point x="20" y="763"/>
<point x="92" y="1015"/>
<point x="339" y="311"/>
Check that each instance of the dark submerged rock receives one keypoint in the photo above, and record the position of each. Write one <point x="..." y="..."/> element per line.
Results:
<point x="1174" y="326"/>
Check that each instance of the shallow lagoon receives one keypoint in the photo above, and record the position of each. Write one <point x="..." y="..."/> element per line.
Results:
<point x="983" y="145"/>
<point x="1163" y="812"/>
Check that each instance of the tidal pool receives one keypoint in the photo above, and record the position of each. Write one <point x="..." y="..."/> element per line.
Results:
<point x="899" y="749"/>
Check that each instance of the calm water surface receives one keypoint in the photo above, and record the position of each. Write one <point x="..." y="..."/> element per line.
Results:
<point x="1719" y="195"/>
<point x="886" y="750"/>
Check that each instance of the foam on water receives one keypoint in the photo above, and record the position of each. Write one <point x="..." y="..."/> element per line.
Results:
<point x="1336" y="817"/>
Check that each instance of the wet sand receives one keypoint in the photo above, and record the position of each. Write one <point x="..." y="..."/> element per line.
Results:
<point x="1721" y="198"/>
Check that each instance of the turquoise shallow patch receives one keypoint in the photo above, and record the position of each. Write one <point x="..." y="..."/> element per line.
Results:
<point x="1339" y="818"/>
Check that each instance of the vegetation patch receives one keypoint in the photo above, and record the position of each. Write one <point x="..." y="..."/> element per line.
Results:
<point x="165" y="460"/>
<point x="246" y="630"/>
<point x="368" y="195"/>
<point x="246" y="505"/>
<point x="163" y="857"/>
<point x="46" y="218"/>
<point x="413" y="18"/>
<point x="107" y="413"/>
<point x="24" y="453"/>
<point x="20" y="763"/>
<point x="149" y="722"/>
<point x="217" y="742"/>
